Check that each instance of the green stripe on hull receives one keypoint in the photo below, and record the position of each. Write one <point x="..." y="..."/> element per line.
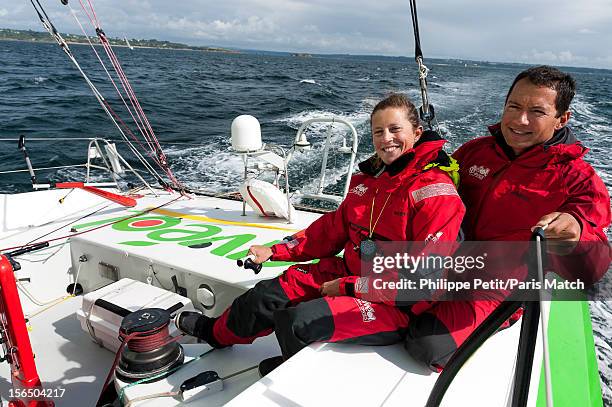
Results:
<point x="575" y="375"/>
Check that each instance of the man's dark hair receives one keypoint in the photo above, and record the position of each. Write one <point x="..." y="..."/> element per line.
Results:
<point x="552" y="78"/>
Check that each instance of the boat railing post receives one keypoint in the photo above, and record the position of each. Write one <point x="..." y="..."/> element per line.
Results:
<point x="89" y="157"/>
<point x="245" y="159"/>
<point x="132" y="170"/>
<point x="287" y="196"/>
<point x="325" y="155"/>
<point x="347" y="182"/>
<point x="300" y="142"/>
<point x="106" y="163"/>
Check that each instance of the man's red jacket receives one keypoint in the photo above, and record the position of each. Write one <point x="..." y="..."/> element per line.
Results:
<point x="505" y="195"/>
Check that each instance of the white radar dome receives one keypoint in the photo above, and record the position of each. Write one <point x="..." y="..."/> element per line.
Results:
<point x="246" y="134"/>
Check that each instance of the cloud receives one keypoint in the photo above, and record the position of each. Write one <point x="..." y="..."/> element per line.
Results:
<point x="251" y="28"/>
<point x="536" y="56"/>
<point x="472" y="29"/>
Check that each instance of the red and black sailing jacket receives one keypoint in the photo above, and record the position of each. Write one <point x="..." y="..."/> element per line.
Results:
<point x="409" y="203"/>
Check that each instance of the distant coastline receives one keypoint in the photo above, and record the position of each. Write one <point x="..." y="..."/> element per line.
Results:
<point x="44" y="37"/>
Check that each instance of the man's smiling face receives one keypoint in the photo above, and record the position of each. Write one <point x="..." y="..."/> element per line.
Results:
<point x="530" y="116"/>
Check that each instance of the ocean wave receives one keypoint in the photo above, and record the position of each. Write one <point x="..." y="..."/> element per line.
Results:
<point x="296" y="120"/>
<point x="583" y="109"/>
<point x="334" y="177"/>
<point x="602" y="332"/>
<point x="205" y="168"/>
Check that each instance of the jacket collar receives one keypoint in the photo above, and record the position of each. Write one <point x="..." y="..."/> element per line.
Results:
<point x="422" y="152"/>
<point x="563" y="146"/>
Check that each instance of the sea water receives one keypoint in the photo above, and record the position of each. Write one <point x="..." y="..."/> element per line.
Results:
<point x="191" y="97"/>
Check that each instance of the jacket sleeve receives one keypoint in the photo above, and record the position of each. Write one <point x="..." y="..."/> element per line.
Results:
<point x="325" y="237"/>
<point x="589" y="202"/>
<point x="437" y="214"/>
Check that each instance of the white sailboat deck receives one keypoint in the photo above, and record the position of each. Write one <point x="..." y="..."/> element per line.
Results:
<point x="322" y="374"/>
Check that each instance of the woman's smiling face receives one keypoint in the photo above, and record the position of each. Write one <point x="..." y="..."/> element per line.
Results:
<point x="393" y="134"/>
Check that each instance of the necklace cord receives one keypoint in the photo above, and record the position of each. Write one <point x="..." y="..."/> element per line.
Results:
<point x="379" y="214"/>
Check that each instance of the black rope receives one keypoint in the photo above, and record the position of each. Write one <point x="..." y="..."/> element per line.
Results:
<point x="46" y="22"/>
<point x="45" y="13"/>
<point x="415" y="27"/>
<point x="426" y="111"/>
<point x="48" y="25"/>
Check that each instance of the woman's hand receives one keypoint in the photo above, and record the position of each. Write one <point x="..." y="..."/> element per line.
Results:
<point x="331" y="288"/>
<point x="261" y="253"/>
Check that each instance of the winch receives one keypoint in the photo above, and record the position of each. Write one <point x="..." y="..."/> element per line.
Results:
<point x="150" y="352"/>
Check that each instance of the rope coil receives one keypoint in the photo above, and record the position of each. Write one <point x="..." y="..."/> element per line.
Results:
<point x="147" y="341"/>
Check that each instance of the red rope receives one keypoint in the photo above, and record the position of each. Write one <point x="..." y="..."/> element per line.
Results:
<point x="129" y="132"/>
<point x="87" y="13"/>
<point x="130" y="95"/>
<point x="94" y="13"/>
<point x="128" y="341"/>
<point x="149" y="134"/>
<point x="148" y="341"/>
<point x="126" y="128"/>
<point x="138" y="115"/>
<point x="91" y="230"/>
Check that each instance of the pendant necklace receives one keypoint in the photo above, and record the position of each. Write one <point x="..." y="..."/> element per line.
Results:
<point x="367" y="246"/>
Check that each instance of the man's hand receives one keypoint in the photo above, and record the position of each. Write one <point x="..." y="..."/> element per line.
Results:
<point x="562" y="231"/>
<point x="331" y="288"/>
<point x="261" y="253"/>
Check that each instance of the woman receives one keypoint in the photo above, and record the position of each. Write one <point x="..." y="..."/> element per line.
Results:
<point x="401" y="194"/>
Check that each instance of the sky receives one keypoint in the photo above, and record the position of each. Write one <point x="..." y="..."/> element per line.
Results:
<point x="557" y="32"/>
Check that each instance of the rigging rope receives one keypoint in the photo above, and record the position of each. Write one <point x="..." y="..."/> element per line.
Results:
<point x="142" y="123"/>
<point x="115" y="116"/>
<point x="30" y="244"/>
<point x="154" y="150"/>
<point x="427" y="110"/>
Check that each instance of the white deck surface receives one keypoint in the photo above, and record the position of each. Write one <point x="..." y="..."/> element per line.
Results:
<point x="320" y="375"/>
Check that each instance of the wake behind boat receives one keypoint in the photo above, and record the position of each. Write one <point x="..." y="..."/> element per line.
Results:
<point x="177" y="249"/>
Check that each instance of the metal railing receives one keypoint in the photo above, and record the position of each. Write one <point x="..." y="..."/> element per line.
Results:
<point x="111" y="161"/>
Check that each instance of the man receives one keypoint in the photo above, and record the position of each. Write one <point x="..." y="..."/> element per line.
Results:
<point x="530" y="172"/>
